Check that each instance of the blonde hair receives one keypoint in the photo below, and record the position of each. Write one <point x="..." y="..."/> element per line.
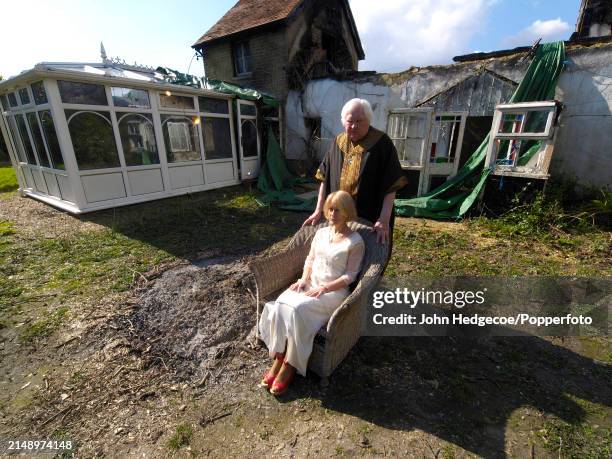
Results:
<point x="344" y="202"/>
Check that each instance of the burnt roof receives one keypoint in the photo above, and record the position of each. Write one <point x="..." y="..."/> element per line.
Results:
<point x="569" y="44"/>
<point x="249" y="14"/>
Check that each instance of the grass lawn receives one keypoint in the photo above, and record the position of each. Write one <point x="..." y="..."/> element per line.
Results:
<point x="51" y="266"/>
<point x="8" y="180"/>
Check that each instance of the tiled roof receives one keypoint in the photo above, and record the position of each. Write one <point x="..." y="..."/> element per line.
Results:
<point x="248" y="14"/>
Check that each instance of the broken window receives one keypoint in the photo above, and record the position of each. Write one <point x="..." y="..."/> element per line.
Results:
<point x="522" y="139"/>
<point x="242" y="58"/>
<point x="444" y="138"/>
<point x="427" y="142"/>
<point x="409" y="129"/>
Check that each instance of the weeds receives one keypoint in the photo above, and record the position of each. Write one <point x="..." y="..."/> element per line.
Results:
<point x="182" y="437"/>
<point x="541" y="218"/>
<point x="579" y="440"/>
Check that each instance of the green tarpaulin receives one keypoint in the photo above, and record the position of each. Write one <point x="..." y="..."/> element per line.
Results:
<point x="276" y="182"/>
<point x="455" y="197"/>
<point x="184" y="79"/>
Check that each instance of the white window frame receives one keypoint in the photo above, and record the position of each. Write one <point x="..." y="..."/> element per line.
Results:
<point x="246" y="163"/>
<point x="427" y="113"/>
<point x="182" y="136"/>
<point x="538" y="165"/>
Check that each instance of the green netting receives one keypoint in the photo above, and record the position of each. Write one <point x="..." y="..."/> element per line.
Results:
<point x="455" y="197"/>
<point x="184" y="79"/>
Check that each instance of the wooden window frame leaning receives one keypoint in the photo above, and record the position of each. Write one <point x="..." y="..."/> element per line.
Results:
<point x="427" y="115"/>
<point x="537" y="167"/>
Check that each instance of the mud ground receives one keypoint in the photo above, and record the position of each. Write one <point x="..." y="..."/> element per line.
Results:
<point x="175" y="352"/>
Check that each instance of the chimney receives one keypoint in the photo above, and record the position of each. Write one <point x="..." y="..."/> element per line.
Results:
<point x="594" y="19"/>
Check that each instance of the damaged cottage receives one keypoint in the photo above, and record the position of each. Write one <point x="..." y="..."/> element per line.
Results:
<point x="439" y="115"/>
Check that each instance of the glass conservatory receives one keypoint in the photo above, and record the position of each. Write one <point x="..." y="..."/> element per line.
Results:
<point x="85" y="137"/>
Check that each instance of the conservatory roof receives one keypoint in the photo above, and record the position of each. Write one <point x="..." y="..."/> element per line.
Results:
<point x="101" y="72"/>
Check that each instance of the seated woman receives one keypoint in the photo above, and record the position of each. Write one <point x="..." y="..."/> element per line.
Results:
<point x="288" y="325"/>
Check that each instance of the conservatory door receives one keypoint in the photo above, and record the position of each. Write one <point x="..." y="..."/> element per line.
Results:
<point x="248" y="135"/>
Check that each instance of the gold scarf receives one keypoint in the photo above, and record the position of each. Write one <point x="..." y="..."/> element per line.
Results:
<point x="353" y="154"/>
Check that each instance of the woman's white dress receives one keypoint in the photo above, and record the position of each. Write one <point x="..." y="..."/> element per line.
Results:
<point x="294" y="318"/>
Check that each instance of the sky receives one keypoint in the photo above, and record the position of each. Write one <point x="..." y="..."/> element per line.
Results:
<point x="396" y="34"/>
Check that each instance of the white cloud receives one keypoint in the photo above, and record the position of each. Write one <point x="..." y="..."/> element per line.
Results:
<point x="397" y="34"/>
<point x="550" y="30"/>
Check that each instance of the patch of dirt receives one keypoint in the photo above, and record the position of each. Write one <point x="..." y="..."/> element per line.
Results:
<point x="194" y="316"/>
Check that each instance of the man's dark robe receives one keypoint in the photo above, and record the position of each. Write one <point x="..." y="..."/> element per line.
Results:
<point x="380" y="172"/>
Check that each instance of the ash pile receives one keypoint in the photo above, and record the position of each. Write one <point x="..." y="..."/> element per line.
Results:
<point x="195" y="318"/>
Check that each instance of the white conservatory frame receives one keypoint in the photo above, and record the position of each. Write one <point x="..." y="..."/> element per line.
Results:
<point x="249" y="165"/>
<point x="78" y="191"/>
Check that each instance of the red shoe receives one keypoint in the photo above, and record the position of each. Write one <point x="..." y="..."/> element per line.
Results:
<point x="279" y="388"/>
<point x="267" y="381"/>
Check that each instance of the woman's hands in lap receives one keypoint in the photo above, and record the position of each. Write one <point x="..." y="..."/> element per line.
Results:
<point x="316" y="292"/>
<point x="298" y="286"/>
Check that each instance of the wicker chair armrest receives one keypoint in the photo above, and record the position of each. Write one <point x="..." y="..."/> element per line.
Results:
<point x="367" y="283"/>
<point x="276" y="272"/>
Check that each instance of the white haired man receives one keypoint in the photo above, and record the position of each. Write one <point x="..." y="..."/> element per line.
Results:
<point x="362" y="161"/>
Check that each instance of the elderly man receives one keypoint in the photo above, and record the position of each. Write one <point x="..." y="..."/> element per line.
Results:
<point x="363" y="162"/>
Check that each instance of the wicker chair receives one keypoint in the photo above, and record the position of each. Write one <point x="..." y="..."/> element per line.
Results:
<point x="333" y="342"/>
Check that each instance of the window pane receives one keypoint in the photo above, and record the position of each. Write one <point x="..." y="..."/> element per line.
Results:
<point x="16" y="139"/>
<point x="23" y="133"/>
<point x="536" y="121"/>
<point x="92" y="139"/>
<point x="249" y="138"/>
<point x="12" y="99"/>
<point x="3" y="99"/>
<point x="248" y="110"/>
<point x="511" y="122"/>
<point x="24" y="96"/>
<point x="38" y="140"/>
<point x="217" y="138"/>
<point x="46" y="120"/>
<point x="127" y="97"/>
<point x="242" y="58"/>
<point x="180" y="138"/>
<point x="138" y="139"/>
<point x="40" y="96"/>
<point x="82" y="93"/>
<point x="270" y="112"/>
<point x="212" y="105"/>
<point x="180" y="102"/>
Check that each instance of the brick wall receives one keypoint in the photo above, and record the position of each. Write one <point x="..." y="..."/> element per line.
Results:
<point x="268" y="58"/>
